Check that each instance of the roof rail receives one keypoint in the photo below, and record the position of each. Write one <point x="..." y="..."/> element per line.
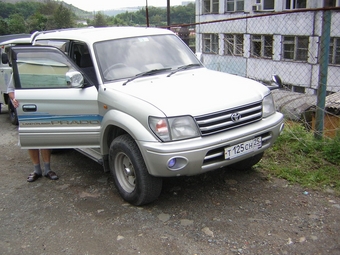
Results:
<point x="35" y="34"/>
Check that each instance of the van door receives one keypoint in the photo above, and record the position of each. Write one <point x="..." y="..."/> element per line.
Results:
<point x="53" y="112"/>
<point x="5" y="74"/>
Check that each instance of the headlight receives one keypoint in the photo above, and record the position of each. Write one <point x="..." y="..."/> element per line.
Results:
<point x="268" y="106"/>
<point x="174" y="129"/>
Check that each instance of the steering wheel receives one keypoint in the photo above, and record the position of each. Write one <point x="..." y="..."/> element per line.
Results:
<point x="117" y="65"/>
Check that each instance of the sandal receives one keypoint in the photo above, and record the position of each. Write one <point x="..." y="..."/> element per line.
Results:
<point x="33" y="177"/>
<point x="51" y="175"/>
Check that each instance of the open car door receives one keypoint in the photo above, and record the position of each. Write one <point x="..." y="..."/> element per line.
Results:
<point x="58" y="108"/>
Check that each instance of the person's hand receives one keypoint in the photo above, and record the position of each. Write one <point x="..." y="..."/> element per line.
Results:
<point x="15" y="103"/>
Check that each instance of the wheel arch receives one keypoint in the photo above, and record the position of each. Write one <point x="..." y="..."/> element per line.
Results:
<point x="116" y="123"/>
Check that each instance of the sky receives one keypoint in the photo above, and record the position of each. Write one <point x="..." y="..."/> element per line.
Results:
<point x="100" y="5"/>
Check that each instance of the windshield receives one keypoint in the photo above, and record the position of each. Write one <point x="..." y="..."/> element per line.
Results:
<point x="125" y="58"/>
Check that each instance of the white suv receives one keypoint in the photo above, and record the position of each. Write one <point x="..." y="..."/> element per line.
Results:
<point x="138" y="101"/>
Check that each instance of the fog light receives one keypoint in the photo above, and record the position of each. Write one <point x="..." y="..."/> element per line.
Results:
<point x="172" y="163"/>
<point x="177" y="163"/>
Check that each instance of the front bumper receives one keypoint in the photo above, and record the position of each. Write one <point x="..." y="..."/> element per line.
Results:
<point x="199" y="155"/>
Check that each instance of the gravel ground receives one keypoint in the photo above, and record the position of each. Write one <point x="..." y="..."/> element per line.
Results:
<point x="222" y="212"/>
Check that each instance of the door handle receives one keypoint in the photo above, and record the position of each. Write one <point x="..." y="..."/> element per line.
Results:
<point x="29" y="108"/>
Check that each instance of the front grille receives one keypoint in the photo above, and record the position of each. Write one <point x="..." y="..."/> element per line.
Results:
<point x="221" y="121"/>
<point x="217" y="155"/>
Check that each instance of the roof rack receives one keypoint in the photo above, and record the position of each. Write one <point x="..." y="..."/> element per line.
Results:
<point x="35" y="34"/>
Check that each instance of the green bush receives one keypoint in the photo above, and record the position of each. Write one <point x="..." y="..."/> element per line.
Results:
<point x="299" y="157"/>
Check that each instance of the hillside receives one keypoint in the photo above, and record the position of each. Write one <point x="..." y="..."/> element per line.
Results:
<point x="75" y="10"/>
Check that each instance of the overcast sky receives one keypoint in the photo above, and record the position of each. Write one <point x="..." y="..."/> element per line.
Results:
<point x="99" y="5"/>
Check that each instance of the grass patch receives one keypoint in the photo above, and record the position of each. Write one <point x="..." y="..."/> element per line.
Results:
<point x="300" y="158"/>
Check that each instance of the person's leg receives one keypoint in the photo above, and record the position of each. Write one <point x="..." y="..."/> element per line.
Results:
<point x="46" y="156"/>
<point x="34" y="155"/>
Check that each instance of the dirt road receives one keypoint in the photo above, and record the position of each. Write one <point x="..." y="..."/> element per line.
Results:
<point x="222" y="212"/>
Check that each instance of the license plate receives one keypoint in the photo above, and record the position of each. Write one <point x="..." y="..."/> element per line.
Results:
<point x="242" y="148"/>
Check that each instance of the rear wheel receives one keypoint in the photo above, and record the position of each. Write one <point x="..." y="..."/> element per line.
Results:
<point x="130" y="174"/>
<point x="247" y="163"/>
<point x="13" y="117"/>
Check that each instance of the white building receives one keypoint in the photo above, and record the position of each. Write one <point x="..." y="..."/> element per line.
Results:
<point x="285" y="40"/>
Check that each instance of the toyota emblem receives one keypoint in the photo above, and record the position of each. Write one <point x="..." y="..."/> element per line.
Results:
<point x="235" y="117"/>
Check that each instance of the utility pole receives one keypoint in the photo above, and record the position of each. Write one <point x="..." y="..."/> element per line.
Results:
<point x="147" y="14"/>
<point x="324" y="60"/>
<point x="168" y="13"/>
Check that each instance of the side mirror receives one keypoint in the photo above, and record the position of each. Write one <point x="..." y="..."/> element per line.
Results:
<point x="74" y="79"/>
<point x="276" y="82"/>
<point x="4" y="58"/>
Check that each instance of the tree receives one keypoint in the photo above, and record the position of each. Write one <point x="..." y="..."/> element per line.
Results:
<point x="48" y="8"/>
<point x="16" y="24"/>
<point x="6" y="10"/>
<point x="100" y="20"/>
<point x="27" y="9"/>
<point x="113" y="21"/>
<point x="36" y="22"/>
<point x="3" y="27"/>
<point x="63" y="17"/>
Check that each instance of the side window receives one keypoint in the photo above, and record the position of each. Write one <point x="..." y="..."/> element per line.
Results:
<point x="81" y="56"/>
<point x="78" y="51"/>
<point x="42" y="70"/>
<point x="60" y="44"/>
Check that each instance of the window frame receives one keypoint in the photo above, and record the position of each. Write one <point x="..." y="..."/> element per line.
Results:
<point x="268" y="2"/>
<point x="292" y="4"/>
<point x="336" y="3"/>
<point x="334" y="51"/>
<point x="210" y="6"/>
<point x="296" y="49"/>
<point x="232" y="45"/>
<point x="235" y="5"/>
<point x="263" y="40"/>
<point x="212" y="41"/>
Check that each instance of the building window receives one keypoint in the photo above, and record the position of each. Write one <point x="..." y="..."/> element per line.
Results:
<point x="234" y="5"/>
<point x="295" y="48"/>
<point x="268" y="5"/>
<point x="295" y="4"/>
<point x="334" y="51"/>
<point x="262" y="46"/>
<point x="210" y="6"/>
<point x="210" y="43"/>
<point x="233" y="44"/>
<point x="332" y="3"/>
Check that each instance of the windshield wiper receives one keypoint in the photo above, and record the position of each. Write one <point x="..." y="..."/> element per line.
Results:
<point x="150" y="72"/>
<point x="183" y="68"/>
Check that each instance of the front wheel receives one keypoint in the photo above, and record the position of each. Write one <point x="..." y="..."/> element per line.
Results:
<point x="13" y="117"/>
<point x="130" y="174"/>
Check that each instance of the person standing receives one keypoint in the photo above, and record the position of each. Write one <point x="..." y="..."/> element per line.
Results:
<point x="34" y="153"/>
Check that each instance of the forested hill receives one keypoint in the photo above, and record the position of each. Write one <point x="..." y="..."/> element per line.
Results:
<point x="74" y="9"/>
<point x="18" y="16"/>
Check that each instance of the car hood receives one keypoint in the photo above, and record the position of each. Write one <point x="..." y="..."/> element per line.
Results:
<point x="194" y="92"/>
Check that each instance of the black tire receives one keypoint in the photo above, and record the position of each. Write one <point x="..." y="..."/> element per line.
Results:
<point x="13" y="117"/>
<point x="247" y="164"/>
<point x="130" y="174"/>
